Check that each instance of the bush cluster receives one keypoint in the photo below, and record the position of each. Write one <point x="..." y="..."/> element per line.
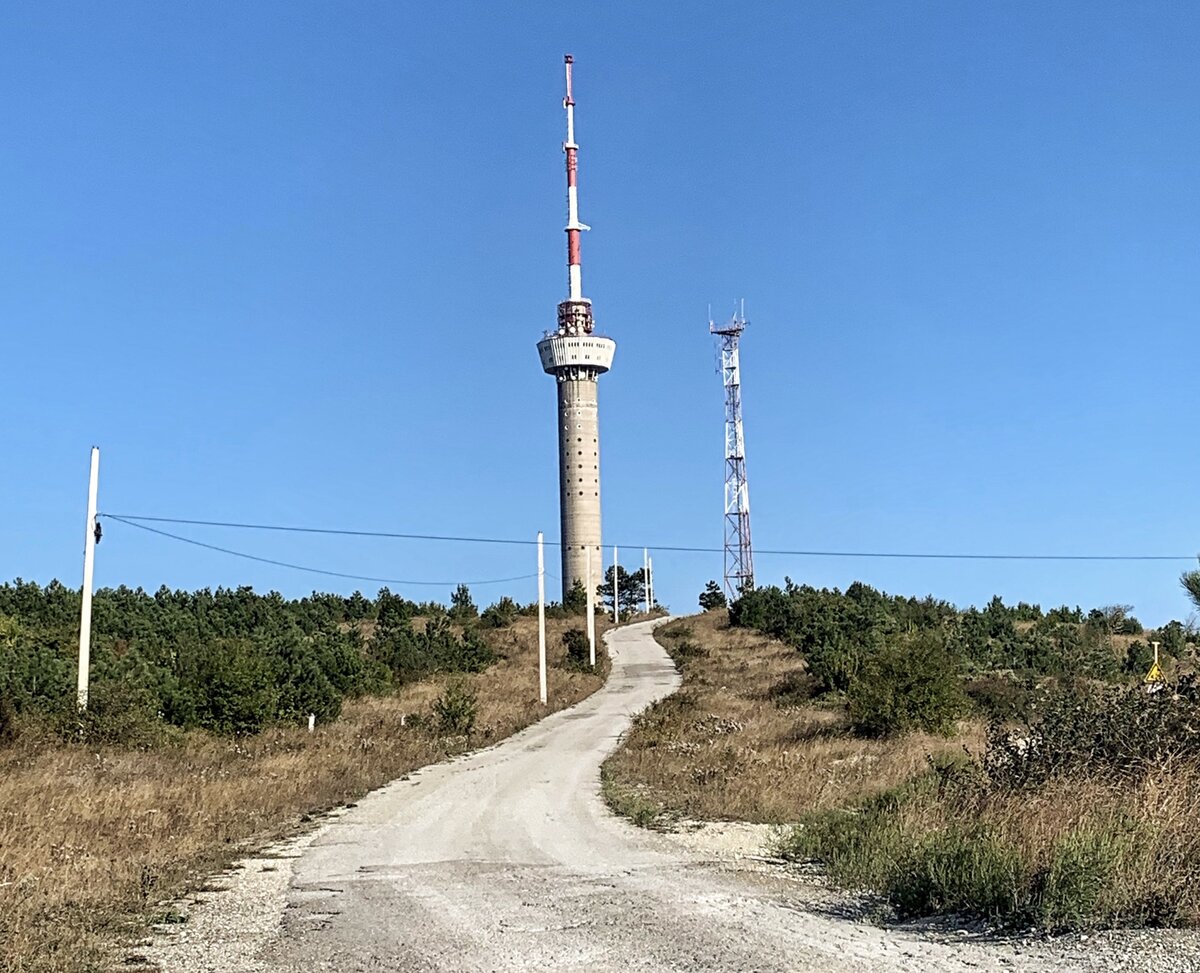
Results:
<point x="1097" y="730"/>
<point x="456" y="709"/>
<point x="230" y="660"/>
<point x="903" y="663"/>
<point x="909" y="684"/>
<point x="973" y="853"/>
<point x="1081" y="817"/>
<point x="579" y="653"/>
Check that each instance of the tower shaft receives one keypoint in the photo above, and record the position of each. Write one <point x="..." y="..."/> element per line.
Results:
<point x="578" y="474"/>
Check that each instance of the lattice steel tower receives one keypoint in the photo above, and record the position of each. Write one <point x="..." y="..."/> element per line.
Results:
<point x="739" y="557"/>
<point x="576" y="356"/>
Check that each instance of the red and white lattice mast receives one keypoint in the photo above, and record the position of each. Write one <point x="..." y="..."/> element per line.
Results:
<point x="576" y="356"/>
<point x="739" y="556"/>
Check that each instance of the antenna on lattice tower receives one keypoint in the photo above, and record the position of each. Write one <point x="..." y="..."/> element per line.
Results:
<point x="739" y="556"/>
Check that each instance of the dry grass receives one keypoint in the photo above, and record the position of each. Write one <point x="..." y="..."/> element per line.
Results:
<point x="724" y="748"/>
<point x="1071" y="853"/>
<point x="743" y="740"/>
<point x="94" y="841"/>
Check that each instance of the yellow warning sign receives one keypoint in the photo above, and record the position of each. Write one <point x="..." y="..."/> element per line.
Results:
<point x="1155" y="674"/>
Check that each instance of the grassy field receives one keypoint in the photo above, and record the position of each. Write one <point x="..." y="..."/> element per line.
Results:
<point x="1089" y="821"/>
<point x="741" y="741"/>
<point x="95" y="841"/>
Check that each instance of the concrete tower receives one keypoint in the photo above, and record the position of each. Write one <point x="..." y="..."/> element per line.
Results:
<point x="576" y="356"/>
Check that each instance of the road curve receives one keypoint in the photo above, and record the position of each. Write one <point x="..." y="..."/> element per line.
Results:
<point x="507" y="860"/>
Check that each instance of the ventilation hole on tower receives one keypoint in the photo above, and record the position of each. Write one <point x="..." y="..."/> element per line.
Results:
<point x="581" y="493"/>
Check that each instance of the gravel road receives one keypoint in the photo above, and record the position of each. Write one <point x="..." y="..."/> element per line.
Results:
<point x="507" y="860"/>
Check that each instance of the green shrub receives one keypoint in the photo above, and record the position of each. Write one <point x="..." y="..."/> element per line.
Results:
<point x="118" y="713"/>
<point x="235" y="685"/>
<point x="863" y="846"/>
<point x="411" y="655"/>
<point x="859" y="849"/>
<point x="503" y="612"/>
<point x="909" y="685"/>
<point x="575" y="600"/>
<point x="1139" y="657"/>
<point x="712" y="597"/>
<point x="1082" y="727"/>
<point x="575" y="641"/>
<point x="462" y="606"/>
<point x="999" y="695"/>
<point x="9" y="726"/>
<point x="967" y="872"/>
<point x="1079" y="880"/>
<point x="455" y="710"/>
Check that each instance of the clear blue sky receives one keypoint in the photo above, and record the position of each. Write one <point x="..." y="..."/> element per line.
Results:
<point x="287" y="262"/>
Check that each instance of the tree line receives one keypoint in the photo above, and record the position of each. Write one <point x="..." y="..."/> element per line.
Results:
<point x="904" y="663"/>
<point x="232" y="660"/>
<point x="229" y="660"/>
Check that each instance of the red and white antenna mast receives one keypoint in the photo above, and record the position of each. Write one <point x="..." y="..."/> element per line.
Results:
<point x="574" y="227"/>
<point x="739" y="556"/>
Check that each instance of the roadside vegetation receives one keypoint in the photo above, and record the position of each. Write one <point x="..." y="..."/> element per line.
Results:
<point x="1007" y="763"/>
<point x="195" y="747"/>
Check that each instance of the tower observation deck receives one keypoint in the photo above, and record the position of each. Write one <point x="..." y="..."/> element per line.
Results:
<point x="576" y="356"/>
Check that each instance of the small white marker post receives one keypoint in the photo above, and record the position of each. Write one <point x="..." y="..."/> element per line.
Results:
<point x="541" y="619"/>
<point x="312" y="722"/>
<point x="616" y="588"/>
<point x="591" y="614"/>
<point x="646" y="578"/>
<point x="89" y="563"/>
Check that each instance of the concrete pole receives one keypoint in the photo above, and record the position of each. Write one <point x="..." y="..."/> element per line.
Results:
<point x="541" y="619"/>
<point x="646" y="578"/>
<point x="89" y="563"/>
<point x="591" y="614"/>
<point x="616" y="589"/>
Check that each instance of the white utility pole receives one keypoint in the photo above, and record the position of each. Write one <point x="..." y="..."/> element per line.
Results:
<point x="646" y="578"/>
<point x="591" y="618"/>
<point x="541" y="619"/>
<point x="89" y="564"/>
<point x="616" y="588"/>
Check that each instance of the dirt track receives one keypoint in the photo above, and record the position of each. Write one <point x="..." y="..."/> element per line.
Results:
<point x="507" y="860"/>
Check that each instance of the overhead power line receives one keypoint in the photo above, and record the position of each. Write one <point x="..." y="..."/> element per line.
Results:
<point x="302" y="567"/>
<point x="675" y="548"/>
<point x="127" y="518"/>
